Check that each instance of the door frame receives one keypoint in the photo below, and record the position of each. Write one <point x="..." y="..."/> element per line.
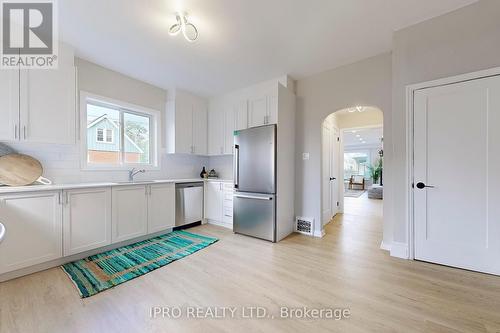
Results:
<point x="409" y="252"/>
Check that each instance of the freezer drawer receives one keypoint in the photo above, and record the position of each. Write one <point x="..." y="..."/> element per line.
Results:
<point x="255" y="215"/>
<point x="188" y="203"/>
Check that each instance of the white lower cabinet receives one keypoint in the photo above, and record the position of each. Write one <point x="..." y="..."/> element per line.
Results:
<point x="87" y="219"/>
<point x="33" y="229"/>
<point x="129" y="212"/>
<point x="219" y="203"/>
<point x="161" y="207"/>
<point x="213" y="201"/>
<point x="47" y="225"/>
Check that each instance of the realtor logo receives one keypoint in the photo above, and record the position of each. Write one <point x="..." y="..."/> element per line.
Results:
<point x="29" y="31"/>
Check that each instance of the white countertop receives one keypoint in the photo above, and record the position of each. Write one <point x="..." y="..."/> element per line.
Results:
<point x="57" y="187"/>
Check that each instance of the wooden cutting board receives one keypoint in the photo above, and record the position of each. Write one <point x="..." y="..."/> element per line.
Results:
<point x="19" y="170"/>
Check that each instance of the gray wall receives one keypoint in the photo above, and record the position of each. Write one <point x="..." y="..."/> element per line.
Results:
<point x="367" y="82"/>
<point x="463" y="41"/>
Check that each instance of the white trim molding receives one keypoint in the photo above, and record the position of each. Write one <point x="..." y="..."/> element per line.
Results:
<point x="319" y="233"/>
<point x="399" y="250"/>
<point x="385" y="246"/>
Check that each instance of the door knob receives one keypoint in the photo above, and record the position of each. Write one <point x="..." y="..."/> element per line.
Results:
<point x="332" y="178"/>
<point x="421" y="185"/>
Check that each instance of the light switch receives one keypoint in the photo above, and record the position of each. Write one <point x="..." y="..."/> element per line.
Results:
<point x="305" y="156"/>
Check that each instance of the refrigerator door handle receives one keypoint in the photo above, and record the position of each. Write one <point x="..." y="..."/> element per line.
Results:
<point x="252" y="197"/>
<point x="236" y="175"/>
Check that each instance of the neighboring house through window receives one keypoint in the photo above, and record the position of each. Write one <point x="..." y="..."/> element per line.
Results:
<point x="118" y="135"/>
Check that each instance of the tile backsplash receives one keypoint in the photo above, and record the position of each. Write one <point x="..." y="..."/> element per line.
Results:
<point x="61" y="164"/>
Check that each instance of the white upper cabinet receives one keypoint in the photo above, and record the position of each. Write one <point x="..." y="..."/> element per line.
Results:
<point x="39" y="105"/>
<point x="241" y="115"/>
<point x="250" y="107"/>
<point x="9" y="105"/>
<point x="272" y="109"/>
<point x="47" y="105"/>
<point x="216" y="131"/>
<point x="183" y="127"/>
<point x="263" y="110"/>
<point x="186" y="124"/>
<point x="200" y="128"/>
<point x="229" y="126"/>
<point x="221" y="125"/>
<point x="257" y="111"/>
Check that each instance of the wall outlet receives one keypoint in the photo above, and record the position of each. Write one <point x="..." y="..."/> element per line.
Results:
<point x="305" y="156"/>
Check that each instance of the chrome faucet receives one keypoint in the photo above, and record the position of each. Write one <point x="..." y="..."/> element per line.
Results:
<point x="134" y="172"/>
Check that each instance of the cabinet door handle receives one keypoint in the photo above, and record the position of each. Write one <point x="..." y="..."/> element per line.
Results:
<point x="24" y="131"/>
<point x="67" y="198"/>
<point x="15" y="131"/>
<point x="59" y="198"/>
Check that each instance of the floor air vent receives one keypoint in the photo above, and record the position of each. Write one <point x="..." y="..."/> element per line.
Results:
<point x="304" y="225"/>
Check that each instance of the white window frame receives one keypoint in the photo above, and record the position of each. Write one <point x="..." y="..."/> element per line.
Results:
<point x="154" y="116"/>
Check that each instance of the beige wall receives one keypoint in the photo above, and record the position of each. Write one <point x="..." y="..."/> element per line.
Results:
<point x="367" y="82"/>
<point x="105" y="82"/>
<point x="463" y="41"/>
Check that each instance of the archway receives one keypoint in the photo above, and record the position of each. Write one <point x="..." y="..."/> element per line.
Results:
<point x="351" y="163"/>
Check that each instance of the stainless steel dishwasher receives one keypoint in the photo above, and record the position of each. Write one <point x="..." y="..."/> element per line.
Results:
<point x="188" y="203"/>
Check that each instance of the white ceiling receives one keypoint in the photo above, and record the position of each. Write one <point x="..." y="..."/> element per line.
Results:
<point x="241" y="41"/>
<point x="363" y="137"/>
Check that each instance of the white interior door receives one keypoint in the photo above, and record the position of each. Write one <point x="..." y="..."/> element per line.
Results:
<point x="335" y="177"/>
<point x="326" y="172"/>
<point x="457" y="151"/>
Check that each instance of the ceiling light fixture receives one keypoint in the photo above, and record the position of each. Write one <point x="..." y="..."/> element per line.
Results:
<point x="356" y="108"/>
<point x="188" y="29"/>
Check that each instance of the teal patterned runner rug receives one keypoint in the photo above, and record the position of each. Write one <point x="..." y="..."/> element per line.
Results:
<point x="106" y="270"/>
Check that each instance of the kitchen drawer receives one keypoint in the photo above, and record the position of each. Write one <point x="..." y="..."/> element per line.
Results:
<point x="228" y="187"/>
<point x="228" y="215"/>
<point x="228" y="212"/>
<point x="228" y="196"/>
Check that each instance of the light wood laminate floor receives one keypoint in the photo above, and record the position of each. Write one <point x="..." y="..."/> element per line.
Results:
<point x="345" y="269"/>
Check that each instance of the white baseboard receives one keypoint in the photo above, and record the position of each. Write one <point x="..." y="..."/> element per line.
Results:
<point x="319" y="233"/>
<point x="386" y="246"/>
<point x="399" y="250"/>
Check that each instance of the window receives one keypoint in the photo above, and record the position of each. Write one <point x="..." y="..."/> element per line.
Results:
<point x="356" y="163"/>
<point x="109" y="135"/>
<point x="118" y="135"/>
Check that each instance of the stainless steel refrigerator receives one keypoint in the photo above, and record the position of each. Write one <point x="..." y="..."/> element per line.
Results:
<point x="254" y="204"/>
